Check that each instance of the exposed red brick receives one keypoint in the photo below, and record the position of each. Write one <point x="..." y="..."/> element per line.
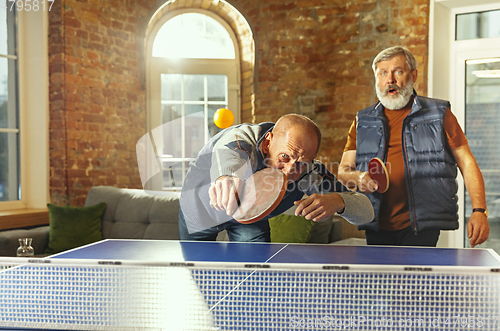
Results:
<point x="71" y="22"/>
<point x="302" y="47"/>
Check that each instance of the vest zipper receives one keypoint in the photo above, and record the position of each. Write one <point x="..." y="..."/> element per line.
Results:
<point x="384" y="154"/>
<point x="408" y="182"/>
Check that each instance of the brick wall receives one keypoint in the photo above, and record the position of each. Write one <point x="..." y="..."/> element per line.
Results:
<point x="309" y="56"/>
<point x="314" y="57"/>
<point x="97" y="96"/>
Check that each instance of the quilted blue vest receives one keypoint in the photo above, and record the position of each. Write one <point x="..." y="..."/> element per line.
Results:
<point x="430" y="168"/>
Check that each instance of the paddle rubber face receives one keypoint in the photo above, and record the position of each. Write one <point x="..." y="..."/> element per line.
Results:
<point x="262" y="192"/>
<point x="378" y="172"/>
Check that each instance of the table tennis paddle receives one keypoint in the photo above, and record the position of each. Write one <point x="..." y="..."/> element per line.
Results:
<point x="261" y="193"/>
<point x="378" y="172"/>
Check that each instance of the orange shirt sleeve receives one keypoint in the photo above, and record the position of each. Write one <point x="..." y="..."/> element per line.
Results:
<point x="454" y="133"/>
<point x="351" y="138"/>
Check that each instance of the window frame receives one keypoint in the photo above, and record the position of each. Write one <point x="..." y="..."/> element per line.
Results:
<point x="33" y="103"/>
<point x="155" y="66"/>
<point x="12" y="129"/>
<point x="446" y="76"/>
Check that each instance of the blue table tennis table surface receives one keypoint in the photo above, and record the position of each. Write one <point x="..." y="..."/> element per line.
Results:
<point x="196" y="251"/>
<point x="263" y="253"/>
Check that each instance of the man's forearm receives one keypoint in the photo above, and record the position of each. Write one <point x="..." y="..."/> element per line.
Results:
<point x="473" y="179"/>
<point x="349" y="177"/>
<point x="474" y="183"/>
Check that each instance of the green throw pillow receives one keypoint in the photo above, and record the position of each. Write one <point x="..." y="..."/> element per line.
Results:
<point x="72" y="227"/>
<point x="290" y="229"/>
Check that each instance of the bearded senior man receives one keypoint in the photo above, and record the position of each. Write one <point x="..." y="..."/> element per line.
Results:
<point x="421" y="143"/>
<point x="208" y="199"/>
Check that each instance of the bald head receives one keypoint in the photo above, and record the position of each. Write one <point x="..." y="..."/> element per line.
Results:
<point x="292" y="145"/>
<point x="298" y="123"/>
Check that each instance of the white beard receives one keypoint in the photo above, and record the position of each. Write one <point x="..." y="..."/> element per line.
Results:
<point x="397" y="101"/>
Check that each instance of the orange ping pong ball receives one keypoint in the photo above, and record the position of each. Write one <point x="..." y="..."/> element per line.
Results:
<point x="223" y="118"/>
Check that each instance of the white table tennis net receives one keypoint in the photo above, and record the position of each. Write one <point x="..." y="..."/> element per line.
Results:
<point x="86" y="295"/>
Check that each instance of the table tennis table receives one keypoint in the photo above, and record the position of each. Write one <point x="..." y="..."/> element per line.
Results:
<point x="186" y="285"/>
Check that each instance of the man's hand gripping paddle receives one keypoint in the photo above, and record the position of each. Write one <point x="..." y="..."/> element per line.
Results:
<point x="262" y="193"/>
<point x="378" y="172"/>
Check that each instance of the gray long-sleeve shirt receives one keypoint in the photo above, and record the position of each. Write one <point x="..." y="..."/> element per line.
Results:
<point x="235" y="152"/>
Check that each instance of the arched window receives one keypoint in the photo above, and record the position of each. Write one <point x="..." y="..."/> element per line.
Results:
<point x="197" y="36"/>
<point x="192" y="70"/>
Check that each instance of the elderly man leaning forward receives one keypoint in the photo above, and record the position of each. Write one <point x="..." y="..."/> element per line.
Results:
<point x="208" y="198"/>
<point x="421" y="143"/>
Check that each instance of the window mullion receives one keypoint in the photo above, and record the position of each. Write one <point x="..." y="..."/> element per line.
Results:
<point x="205" y="108"/>
<point x="183" y="129"/>
<point x="10" y="57"/>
